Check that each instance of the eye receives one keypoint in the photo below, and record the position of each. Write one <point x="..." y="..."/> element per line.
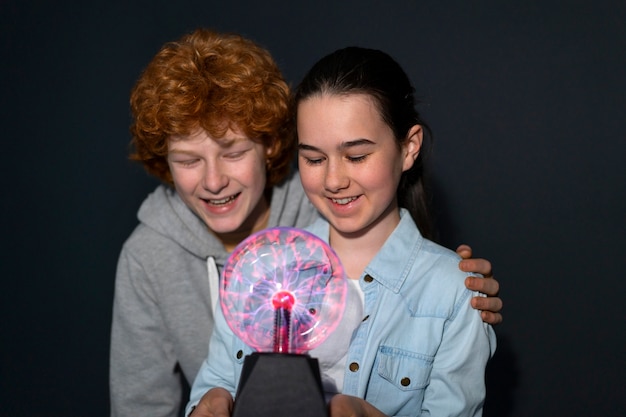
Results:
<point x="315" y="161"/>
<point x="235" y="155"/>
<point x="186" y="163"/>
<point x="236" y="152"/>
<point x="312" y="161"/>
<point x="357" y="158"/>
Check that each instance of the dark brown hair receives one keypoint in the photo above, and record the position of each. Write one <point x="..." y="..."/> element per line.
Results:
<point x="356" y="70"/>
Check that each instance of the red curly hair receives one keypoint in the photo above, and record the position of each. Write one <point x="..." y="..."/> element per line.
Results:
<point x="211" y="81"/>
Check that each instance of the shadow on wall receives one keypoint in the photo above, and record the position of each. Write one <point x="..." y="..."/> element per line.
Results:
<point x="502" y="374"/>
<point x="502" y="378"/>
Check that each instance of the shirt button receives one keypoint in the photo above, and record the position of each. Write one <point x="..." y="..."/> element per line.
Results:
<point x="405" y="382"/>
<point x="354" y="366"/>
<point x="366" y="317"/>
<point x="239" y="354"/>
<point x="368" y="278"/>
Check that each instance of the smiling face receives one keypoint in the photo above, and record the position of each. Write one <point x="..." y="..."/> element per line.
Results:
<point x="350" y="162"/>
<point x="222" y="180"/>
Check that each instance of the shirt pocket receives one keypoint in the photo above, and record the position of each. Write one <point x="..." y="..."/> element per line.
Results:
<point x="406" y="370"/>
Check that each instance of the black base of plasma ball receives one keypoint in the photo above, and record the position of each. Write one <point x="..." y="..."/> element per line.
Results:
<point x="280" y="385"/>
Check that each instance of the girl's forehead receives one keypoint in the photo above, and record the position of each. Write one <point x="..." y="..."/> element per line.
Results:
<point x="341" y="122"/>
<point x="339" y="110"/>
<point x="358" y="103"/>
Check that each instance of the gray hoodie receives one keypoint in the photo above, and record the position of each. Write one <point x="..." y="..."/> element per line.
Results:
<point x="164" y="298"/>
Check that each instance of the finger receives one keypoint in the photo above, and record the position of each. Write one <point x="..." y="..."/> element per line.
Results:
<point x="491" y="318"/>
<point x="464" y="251"/>
<point x="343" y="406"/>
<point x="217" y="402"/>
<point x="492" y="304"/>
<point x="203" y="410"/>
<point x="478" y="266"/>
<point x="489" y="286"/>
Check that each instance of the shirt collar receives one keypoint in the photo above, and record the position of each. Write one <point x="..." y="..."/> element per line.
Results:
<point x="392" y="264"/>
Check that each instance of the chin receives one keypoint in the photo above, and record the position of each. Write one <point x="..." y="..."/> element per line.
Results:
<point x="345" y="227"/>
<point x="224" y="225"/>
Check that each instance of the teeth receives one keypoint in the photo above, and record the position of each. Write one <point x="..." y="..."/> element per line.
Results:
<point x="343" y="200"/>
<point x="222" y="201"/>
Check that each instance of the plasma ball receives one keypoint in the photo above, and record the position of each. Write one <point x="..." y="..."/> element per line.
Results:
<point x="283" y="289"/>
<point x="283" y="299"/>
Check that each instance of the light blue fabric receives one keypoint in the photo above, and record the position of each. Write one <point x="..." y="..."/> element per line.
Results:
<point x="420" y="350"/>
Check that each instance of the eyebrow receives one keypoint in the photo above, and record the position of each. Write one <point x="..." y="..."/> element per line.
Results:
<point x="179" y="151"/>
<point x="342" y="145"/>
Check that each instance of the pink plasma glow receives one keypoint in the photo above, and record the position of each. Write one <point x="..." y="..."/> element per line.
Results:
<point x="283" y="289"/>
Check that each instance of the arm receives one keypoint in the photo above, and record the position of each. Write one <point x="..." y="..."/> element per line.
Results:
<point x="214" y="388"/>
<point x="457" y="379"/>
<point x="491" y="305"/>
<point x="142" y="375"/>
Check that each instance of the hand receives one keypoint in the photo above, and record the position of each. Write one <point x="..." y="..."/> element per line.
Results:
<point x="491" y="305"/>
<point x="347" y="406"/>
<point x="217" y="402"/>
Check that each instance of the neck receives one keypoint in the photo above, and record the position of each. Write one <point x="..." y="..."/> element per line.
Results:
<point x="356" y="250"/>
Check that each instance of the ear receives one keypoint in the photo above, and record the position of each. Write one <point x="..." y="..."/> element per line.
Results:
<point x="268" y="159"/>
<point x="273" y="149"/>
<point x="411" y="147"/>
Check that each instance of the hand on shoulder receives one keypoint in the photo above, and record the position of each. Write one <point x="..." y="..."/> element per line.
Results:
<point x="491" y="304"/>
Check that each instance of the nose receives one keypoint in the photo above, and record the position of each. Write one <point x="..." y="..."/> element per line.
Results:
<point x="336" y="178"/>
<point x="215" y="179"/>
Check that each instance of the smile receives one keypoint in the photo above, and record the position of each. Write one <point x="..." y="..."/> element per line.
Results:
<point x="222" y="201"/>
<point x="343" y="201"/>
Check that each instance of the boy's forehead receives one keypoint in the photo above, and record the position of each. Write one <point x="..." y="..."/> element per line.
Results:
<point x="228" y="138"/>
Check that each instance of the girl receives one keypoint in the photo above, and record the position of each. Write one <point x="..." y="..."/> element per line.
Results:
<point x="361" y="144"/>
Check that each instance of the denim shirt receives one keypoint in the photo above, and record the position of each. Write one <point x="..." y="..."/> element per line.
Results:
<point x="420" y="349"/>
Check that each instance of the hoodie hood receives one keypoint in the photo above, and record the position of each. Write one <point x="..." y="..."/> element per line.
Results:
<point x="165" y="212"/>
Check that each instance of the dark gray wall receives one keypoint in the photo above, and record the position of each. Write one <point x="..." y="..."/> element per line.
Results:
<point x="527" y="102"/>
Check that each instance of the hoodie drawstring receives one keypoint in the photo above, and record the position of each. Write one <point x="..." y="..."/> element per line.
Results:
<point x="214" y="280"/>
